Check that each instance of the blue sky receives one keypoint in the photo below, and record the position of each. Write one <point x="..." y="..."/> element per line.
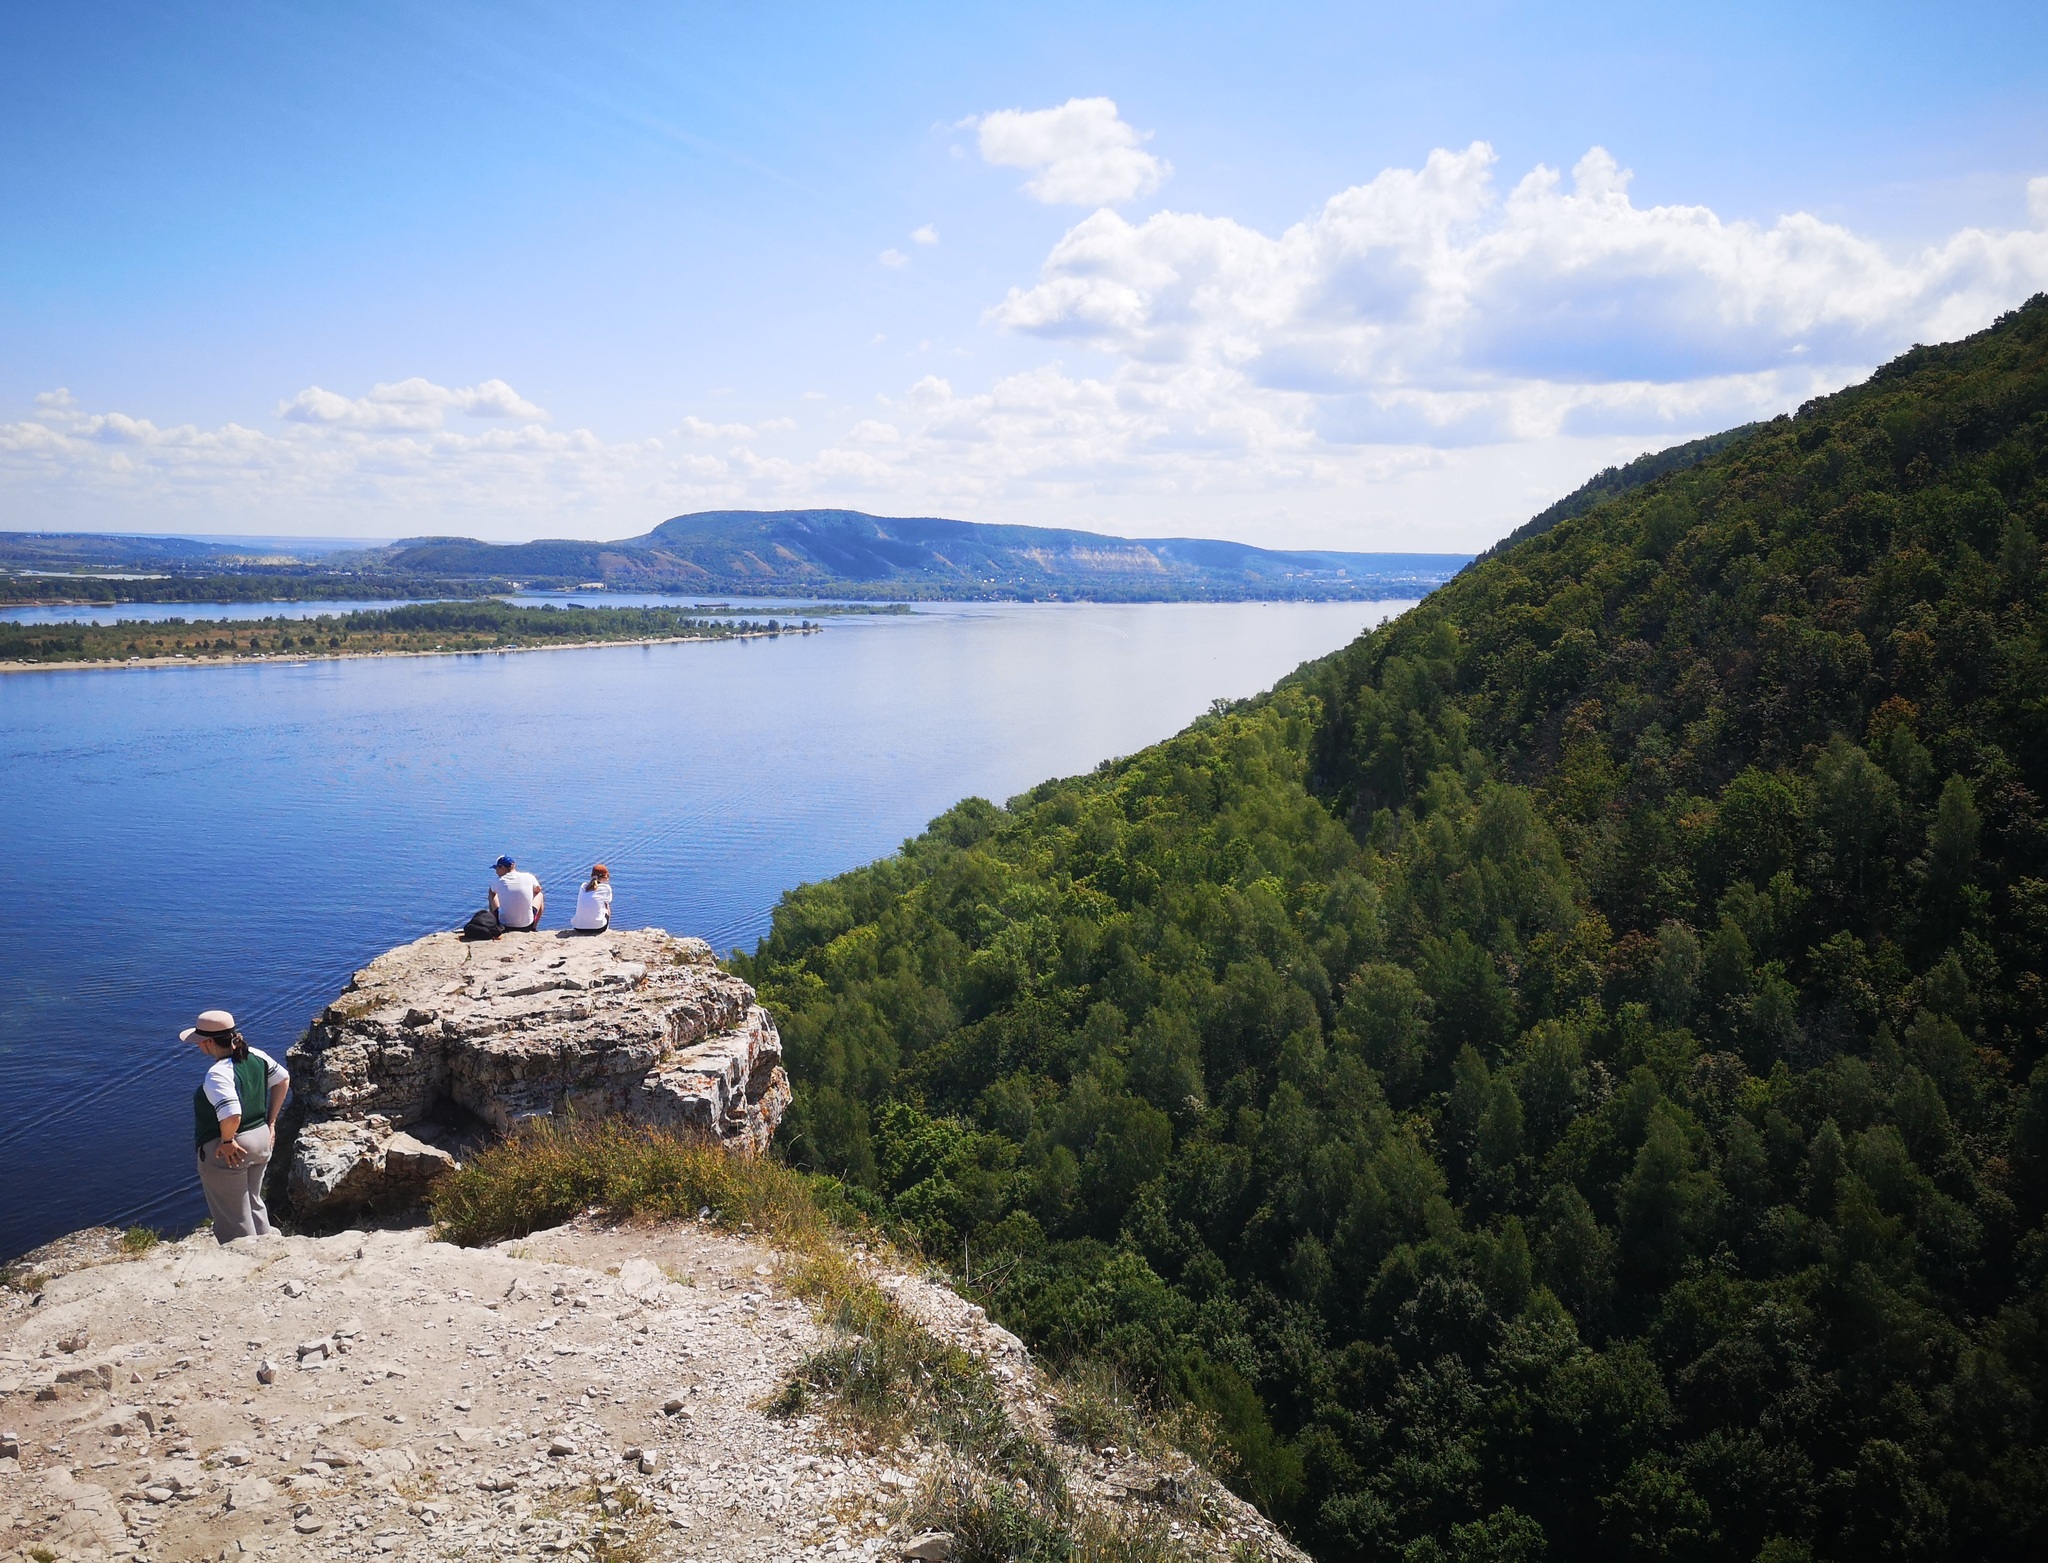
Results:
<point x="1334" y="276"/>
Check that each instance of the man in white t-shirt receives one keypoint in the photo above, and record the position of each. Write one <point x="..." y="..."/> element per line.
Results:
<point x="517" y="898"/>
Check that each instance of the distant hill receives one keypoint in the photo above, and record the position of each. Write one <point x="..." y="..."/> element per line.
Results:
<point x="846" y="552"/>
<point x="110" y="551"/>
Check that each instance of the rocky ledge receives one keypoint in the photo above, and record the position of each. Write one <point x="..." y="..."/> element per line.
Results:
<point x="446" y="1033"/>
<point x="586" y="1392"/>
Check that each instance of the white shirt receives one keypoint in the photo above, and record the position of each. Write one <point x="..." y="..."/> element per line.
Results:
<point x="516" y="889"/>
<point x="220" y="1085"/>
<point x="593" y="907"/>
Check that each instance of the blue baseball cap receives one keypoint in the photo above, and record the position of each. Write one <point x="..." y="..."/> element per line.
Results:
<point x="504" y="862"/>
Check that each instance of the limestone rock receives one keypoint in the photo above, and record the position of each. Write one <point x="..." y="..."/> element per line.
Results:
<point x="638" y="1024"/>
<point x="346" y="1164"/>
<point x="123" y="1421"/>
<point x="251" y="1492"/>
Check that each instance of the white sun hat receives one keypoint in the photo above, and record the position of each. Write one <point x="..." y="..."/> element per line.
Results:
<point x="211" y="1023"/>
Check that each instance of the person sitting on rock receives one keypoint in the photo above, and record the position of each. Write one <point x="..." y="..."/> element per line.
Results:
<point x="594" y="902"/>
<point x="234" y="1115"/>
<point x="517" y="898"/>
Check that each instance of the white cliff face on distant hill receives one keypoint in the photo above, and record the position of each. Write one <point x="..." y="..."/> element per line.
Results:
<point x="635" y="1024"/>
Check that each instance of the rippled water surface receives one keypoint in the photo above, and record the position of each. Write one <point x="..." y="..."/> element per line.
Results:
<point x="246" y="836"/>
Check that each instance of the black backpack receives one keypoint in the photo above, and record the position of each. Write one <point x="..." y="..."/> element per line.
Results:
<point x="483" y="925"/>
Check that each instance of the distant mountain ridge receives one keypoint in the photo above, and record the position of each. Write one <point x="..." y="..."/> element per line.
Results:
<point x="834" y="552"/>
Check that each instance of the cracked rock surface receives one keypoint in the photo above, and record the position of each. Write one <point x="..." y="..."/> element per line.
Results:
<point x="587" y="1391"/>
<point x="633" y="1023"/>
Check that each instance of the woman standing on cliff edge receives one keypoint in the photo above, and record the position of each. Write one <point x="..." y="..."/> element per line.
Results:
<point x="243" y="1086"/>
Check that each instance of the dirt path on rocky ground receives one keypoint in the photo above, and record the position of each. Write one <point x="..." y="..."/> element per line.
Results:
<point x="591" y="1391"/>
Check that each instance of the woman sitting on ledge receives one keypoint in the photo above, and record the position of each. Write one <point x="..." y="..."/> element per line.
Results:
<point x="594" y="903"/>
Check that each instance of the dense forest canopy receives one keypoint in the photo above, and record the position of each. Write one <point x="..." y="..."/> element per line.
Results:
<point x="1562" y="1076"/>
<point x="1614" y="481"/>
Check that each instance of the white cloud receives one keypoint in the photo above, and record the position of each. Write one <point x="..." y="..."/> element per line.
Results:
<point x="1084" y="154"/>
<point x="893" y="258"/>
<point x="925" y="235"/>
<point x="1427" y="279"/>
<point x="350" y="471"/>
<point x="1422" y="362"/>
<point x="408" y="404"/>
<point x="697" y="428"/>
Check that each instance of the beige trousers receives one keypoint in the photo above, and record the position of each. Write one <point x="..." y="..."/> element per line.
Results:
<point x="234" y="1195"/>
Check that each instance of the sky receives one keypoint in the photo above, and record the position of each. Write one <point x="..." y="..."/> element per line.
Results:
<point x="1361" y="276"/>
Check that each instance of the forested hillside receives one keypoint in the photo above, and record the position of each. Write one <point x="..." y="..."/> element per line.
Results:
<point x="1561" y="1077"/>
<point x="1613" y="482"/>
<point x="848" y="553"/>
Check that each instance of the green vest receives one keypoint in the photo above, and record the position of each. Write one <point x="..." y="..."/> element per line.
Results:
<point x="252" y="1085"/>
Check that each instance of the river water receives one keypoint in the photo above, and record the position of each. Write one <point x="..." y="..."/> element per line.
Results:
<point x="160" y="612"/>
<point x="245" y="836"/>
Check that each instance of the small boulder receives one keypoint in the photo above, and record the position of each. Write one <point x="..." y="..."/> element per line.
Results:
<point x="412" y="1166"/>
<point x="124" y="1420"/>
<point x="934" y="1546"/>
<point x="252" y="1492"/>
<point x="640" y="1278"/>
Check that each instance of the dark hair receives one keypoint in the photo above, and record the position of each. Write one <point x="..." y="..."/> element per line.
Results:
<point x="230" y="1039"/>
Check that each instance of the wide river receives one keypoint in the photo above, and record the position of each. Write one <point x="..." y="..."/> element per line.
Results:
<point x="245" y="836"/>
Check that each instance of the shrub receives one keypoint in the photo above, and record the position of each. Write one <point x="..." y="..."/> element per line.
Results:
<point x="547" y="1172"/>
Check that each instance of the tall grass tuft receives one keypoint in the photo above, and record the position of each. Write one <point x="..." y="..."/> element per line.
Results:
<point x="140" y="1240"/>
<point x="547" y="1172"/>
<point x="994" y="1521"/>
<point x="883" y="1373"/>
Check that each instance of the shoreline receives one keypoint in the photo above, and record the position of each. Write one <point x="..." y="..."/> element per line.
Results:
<point x="136" y="664"/>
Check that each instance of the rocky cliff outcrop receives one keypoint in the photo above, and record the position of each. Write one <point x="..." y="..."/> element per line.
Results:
<point x="639" y="1024"/>
<point x="593" y="1390"/>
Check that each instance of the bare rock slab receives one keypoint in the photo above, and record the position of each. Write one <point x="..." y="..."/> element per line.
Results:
<point x="639" y="1024"/>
